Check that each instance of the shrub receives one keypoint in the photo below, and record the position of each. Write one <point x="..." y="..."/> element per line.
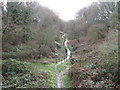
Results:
<point x="97" y="31"/>
<point x="6" y="55"/>
<point x="13" y="66"/>
<point x="17" y="74"/>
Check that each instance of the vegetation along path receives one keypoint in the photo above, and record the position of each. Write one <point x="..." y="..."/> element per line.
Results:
<point x="59" y="75"/>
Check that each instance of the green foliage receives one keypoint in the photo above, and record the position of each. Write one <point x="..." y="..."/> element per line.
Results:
<point x="14" y="67"/>
<point x="17" y="74"/>
<point x="48" y="68"/>
<point x="52" y="80"/>
<point x="110" y="60"/>
<point x="83" y="75"/>
<point x="67" y="81"/>
<point x="61" y="67"/>
<point x="6" y="55"/>
<point x="16" y="23"/>
<point x="70" y="47"/>
<point x="25" y="81"/>
<point x="21" y="54"/>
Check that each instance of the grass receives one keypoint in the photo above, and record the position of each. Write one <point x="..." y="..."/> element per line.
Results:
<point x="49" y="68"/>
<point x="67" y="63"/>
<point x="43" y="67"/>
<point x="62" y="46"/>
<point x="70" y="47"/>
<point x="63" y="66"/>
<point x="67" y="81"/>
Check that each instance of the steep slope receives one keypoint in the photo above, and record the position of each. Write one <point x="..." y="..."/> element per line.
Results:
<point x="97" y="68"/>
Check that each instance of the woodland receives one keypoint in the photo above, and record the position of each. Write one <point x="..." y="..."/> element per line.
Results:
<point x="32" y="45"/>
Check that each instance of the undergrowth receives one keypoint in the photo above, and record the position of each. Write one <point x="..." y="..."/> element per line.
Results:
<point x="98" y="68"/>
<point x="17" y="74"/>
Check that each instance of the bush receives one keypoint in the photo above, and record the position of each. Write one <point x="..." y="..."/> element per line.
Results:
<point x="17" y="74"/>
<point x="97" y="31"/>
<point x="13" y="66"/>
<point x="6" y="55"/>
<point x="19" y="54"/>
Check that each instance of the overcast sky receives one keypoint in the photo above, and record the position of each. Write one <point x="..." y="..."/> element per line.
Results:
<point x="66" y="9"/>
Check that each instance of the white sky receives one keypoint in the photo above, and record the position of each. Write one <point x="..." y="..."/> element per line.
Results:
<point x="66" y="9"/>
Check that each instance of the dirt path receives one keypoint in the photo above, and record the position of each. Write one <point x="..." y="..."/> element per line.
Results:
<point x="59" y="75"/>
